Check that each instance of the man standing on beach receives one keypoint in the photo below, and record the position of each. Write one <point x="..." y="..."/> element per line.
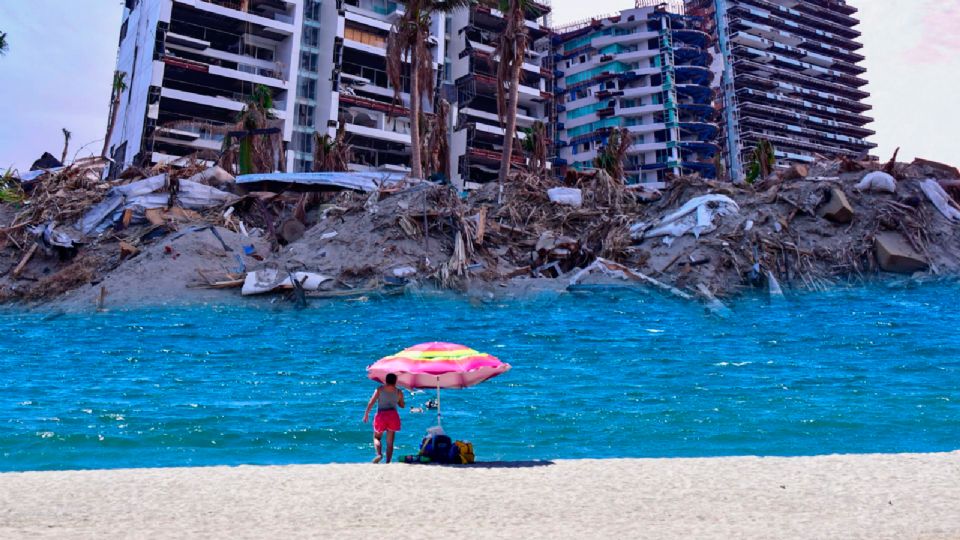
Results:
<point x="387" y="420"/>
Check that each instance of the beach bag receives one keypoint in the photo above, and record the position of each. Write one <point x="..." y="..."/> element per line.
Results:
<point x="436" y="447"/>
<point x="465" y="453"/>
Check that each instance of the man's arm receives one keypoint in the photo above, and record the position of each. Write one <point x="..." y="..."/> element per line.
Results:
<point x="373" y="399"/>
<point x="401" y="402"/>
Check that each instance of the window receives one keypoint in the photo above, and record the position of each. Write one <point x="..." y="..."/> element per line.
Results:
<point x="307" y="89"/>
<point x="258" y="52"/>
<point x="305" y="114"/>
<point x="309" y="61"/>
<point x="303" y="142"/>
<point x="312" y="10"/>
<point x="311" y="36"/>
<point x="303" y="165"/>
<point x="383" y="7"/>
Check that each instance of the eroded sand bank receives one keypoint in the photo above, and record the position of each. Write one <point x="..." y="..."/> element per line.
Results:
<point x="856" y="496"/>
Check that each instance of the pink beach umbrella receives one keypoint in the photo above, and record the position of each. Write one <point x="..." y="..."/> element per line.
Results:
<point x="438" y="365"/>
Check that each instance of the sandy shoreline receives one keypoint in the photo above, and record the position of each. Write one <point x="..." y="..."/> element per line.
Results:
<point x="855" y="496"/>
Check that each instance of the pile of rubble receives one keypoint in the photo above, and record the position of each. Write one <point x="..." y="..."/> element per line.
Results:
<point x="174" y="231"/>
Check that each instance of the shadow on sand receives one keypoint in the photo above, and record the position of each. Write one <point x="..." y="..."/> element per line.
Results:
<point x="506" y="464"/>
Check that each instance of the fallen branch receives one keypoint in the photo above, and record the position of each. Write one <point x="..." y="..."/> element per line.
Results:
<point x="618" y="270"/>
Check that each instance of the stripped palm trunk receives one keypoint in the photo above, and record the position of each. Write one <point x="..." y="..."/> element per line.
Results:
<point x="66" y="145"/>
<point x="415" y="159"/>
<point x="408" y="37"/>
<point x="119" y="85"/>
<point x="535" y="146"/>
<point x="511" y="49"/>
<point x="254" y="152"/>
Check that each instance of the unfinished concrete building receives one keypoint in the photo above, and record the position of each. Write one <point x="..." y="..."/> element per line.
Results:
<point x="645" y="69"/>
<point x="790" y="75"/>
<point x="190" y="65"/>
<point x="477" y="137"/>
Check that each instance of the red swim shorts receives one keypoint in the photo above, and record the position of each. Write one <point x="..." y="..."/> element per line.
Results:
<point x="388" y="420"/>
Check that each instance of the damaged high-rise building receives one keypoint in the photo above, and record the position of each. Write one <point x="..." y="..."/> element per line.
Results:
<point x="789" y="74"/>
<point x="190" y="65"/>
<point x="697" y="83"/>
<point x="644" y="70"/>
<point x="477" y="138"/>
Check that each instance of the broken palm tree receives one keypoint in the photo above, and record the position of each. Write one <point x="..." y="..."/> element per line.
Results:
<point x="331" y="154"/>
<point x="256" y="145"/>
<point x="762" y="161"/>
<point x="510" y="54"/>
<point x="536" y="145"/>
<point x="437" y="162"/>
<point x="409" y="55"/>
<point x="614" y="153"/>
<point x="117" y="89"/>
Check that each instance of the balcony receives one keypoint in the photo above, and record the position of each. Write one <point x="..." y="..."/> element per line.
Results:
<point x="635" y="36"/>
<point x="380" y="11"/>
<point x="376" y="124"/>
<point x="271" y="14"/>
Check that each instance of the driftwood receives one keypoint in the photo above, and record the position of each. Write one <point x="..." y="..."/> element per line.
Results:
<point x="26" y="259"/>
<point x="621" y="271"/>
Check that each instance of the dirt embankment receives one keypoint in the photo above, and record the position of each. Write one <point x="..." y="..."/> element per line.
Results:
<point x="803" y="228"/>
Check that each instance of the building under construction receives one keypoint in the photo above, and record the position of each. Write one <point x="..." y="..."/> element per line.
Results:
<point x="790" y="75"/>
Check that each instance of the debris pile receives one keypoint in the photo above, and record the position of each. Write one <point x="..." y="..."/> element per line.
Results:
<point x="151" y="234"/>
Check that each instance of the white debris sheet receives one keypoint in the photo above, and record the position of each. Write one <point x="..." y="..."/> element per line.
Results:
<point x="268" y="280"/>
<point x="566" y="196"/>
<point x="941" y="199"/>
<point x="696" y="217"/>
<point x="145" y="194"/>
<point x="878" y="181"/>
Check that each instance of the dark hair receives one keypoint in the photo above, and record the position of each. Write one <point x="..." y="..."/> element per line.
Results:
<point x="391" y="378"/>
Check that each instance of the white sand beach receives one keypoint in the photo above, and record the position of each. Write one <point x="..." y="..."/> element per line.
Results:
<point x="859" y="496"/>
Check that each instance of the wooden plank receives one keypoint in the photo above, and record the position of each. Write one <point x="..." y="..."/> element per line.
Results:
<point x="26" y="258"/>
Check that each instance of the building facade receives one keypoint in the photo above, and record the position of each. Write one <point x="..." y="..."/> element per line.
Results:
<point x="697" y="83"/>
<point x="477" y="138"/>
<point x="791" y="76"/>
<point x="647" y="70"/>
<point x="190" y="65"/>
<point x="343" y="79"/>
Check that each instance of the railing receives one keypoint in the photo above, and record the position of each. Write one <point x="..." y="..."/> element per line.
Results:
<point x="247" y="6"/>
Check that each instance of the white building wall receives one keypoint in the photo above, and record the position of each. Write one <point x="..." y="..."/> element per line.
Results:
<point x="138" y="58"/>
<point x="135" y="58"/>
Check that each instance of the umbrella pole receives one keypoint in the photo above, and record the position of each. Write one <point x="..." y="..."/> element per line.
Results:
<point x="438" y="402"/>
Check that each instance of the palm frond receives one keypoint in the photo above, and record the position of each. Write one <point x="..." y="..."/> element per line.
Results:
<point x="331" y="154"/>
<point x="762" y="161"/>
<point x="613" y="154"/>
<point x="253" y="153"/>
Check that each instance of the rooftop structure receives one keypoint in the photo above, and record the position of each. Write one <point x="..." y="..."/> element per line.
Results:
<point x="645" y="69"/>
<point x="790" y="75"/>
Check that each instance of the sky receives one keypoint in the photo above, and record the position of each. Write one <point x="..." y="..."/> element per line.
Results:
<point x="61" y="57"/>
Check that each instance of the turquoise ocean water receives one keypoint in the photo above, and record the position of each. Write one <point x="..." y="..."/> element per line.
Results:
<point x="610" y="373"/>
